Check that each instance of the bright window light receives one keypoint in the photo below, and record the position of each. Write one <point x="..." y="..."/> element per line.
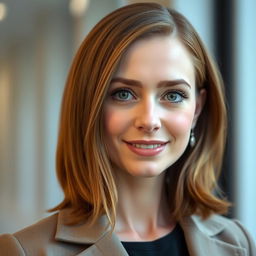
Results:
<point x="78" y="7"/>
<point x="3" y="11"/>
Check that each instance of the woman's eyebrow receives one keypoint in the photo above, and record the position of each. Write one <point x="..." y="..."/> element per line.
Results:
<point x="137" y="83"/>
<point x="126" y="81"/>
<point x="173" y="83"/>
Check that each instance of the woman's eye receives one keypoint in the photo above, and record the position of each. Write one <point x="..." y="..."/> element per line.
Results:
<point x="174" y="97"/>
<point x="122" y="95"/>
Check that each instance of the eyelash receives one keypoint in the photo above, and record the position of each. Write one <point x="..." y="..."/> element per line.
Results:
<point x="182" y="94"/>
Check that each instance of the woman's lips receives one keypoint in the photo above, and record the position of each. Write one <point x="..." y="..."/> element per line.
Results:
<point x="146" y="148"/>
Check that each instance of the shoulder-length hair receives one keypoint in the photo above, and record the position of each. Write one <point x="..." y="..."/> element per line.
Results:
<point x="83" y="166"/>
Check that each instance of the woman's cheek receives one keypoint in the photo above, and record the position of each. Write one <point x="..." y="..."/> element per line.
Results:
<point x="114" y="120"/>
<point x="180" y="123"/>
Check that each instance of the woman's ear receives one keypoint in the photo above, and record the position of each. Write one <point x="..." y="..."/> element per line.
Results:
<point x="200" y="101"/>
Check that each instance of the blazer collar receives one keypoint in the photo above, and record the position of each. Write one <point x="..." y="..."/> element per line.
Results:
<point x="98" y="236"/>
<point x="209" y="227"/>
<point x="80" y="233"/>
<point x="198" y="234"/>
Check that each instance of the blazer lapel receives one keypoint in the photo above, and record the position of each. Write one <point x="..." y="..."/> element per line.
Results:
<point x="200" y="239"/>
<point x="109" y="245"/>
<point x="98" y="237"/>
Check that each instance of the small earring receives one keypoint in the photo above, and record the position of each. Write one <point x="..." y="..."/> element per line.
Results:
<point x="192" y="140"/>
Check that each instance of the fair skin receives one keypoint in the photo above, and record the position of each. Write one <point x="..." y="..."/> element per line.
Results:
<point x="151" y="107"/>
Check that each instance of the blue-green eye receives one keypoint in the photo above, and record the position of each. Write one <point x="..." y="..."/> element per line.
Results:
<point x="174" y="97"/>
<point x="122" y="95"/>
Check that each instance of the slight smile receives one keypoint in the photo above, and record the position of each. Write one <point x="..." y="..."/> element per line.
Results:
<point x="146" y="148"/>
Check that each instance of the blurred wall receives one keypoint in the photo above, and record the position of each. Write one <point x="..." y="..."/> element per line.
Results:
<point x="33" y="71"/>
<point x="245" y="109"/>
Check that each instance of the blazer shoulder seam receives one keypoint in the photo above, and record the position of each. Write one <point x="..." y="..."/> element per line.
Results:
<point x="10" y="241"/>
<point x="18" y="242"/>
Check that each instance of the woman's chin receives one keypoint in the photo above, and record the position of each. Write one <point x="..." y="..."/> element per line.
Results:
<point x="146" y="172"/>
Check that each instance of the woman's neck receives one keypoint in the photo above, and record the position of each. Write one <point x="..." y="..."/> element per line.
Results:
<point x="142" y="210"/>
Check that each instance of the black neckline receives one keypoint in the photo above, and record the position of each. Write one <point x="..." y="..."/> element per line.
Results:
<point x="158" y="243"/>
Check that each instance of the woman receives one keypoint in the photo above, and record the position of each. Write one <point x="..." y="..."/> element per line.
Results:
<point x="141" y="140"/>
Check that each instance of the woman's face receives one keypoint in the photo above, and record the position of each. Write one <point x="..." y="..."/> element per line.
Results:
<point x="151" y="107"/>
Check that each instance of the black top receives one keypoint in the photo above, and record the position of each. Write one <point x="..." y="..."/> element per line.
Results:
<point x="173" y="244"/>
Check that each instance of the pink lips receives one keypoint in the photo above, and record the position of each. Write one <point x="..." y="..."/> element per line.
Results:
<point x="146" y="148"/>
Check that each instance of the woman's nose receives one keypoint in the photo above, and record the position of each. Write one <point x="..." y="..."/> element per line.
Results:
<point x="147" y="117"/>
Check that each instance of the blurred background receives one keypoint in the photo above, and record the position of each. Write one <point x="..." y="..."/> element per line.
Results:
<point x="38" y="39"/>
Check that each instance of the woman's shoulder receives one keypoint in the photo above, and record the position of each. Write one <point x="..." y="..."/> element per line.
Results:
<point x="221" y="225"/>
<point x="40" y="232"/>
<point x="221" y="229"/>
<point x="37" y="239"/>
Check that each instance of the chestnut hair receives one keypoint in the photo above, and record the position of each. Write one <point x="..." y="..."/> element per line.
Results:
<point x="83" y="166"/>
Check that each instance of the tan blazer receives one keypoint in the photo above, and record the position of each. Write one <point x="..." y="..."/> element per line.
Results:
<point x="217" y="236"/>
